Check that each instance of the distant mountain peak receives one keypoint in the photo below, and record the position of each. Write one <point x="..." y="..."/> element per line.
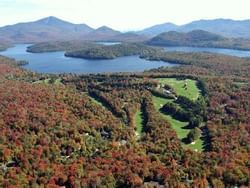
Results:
<point x="46" y="19"/>
<point x="221" y="26"/>
<point x="104" y="28"/>
<point x="167" y="24"/>
<point x="47" y="29"/>
<point x="51" y="20"/>
<point x="157" y="29"/>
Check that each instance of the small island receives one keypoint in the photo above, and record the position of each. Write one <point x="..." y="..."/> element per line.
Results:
<point x="112" y="51"/>
<point x="56" y="46"/>
<point x="90" y="50"/>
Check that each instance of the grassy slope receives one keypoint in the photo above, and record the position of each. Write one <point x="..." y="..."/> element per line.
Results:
<point x="47" y="81"/>
<point x="192" y="92"/>
<point x="96" y="101"/>
<point x="139" y="122"/>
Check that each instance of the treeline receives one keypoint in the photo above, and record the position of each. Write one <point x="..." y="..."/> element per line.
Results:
<point x="185" y="109"/>
<point x="203" y="64"/>
<point x="193" y="112"/>
<point x="156" y="129"/>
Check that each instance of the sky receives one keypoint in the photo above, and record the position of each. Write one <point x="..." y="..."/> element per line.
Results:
<point x="122" y="15"/>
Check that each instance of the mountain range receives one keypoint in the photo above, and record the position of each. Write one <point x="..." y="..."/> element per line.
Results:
<point x="49" y="28"/>
<point x="224" y="27"/>
<point x="54" y="29"/>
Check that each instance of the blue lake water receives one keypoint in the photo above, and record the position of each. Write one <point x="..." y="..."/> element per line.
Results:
<point x="238" y="53"/>
<point x="56" y="62"/>
<point x="108" y="43"/>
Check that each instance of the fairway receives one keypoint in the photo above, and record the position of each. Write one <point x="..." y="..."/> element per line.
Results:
<point x="96" y="101"/>
<point x="177" y="125"/>
<point x="48" y="80"/>
<point x="139" y="122"/>
<point x="192" y="92"/>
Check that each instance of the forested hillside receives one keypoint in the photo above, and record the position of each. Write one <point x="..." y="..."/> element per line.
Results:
<point x="113" y="51"/>
<point x="199" y="38"/>
<point x="60" y="46"/>
<point x="121" y="130"/>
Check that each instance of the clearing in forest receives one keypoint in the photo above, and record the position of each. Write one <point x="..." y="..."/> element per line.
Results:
<point x="139" y="122"/>
<point x="49" y="81"/>
<point x="189" y="89"/>
<point x="184" y="87"/>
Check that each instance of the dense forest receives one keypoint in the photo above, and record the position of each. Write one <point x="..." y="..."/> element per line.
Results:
<point x="198" y="38"/>
<point x="60" y="46"/>
<point x="90" y="50"/>
<point x="82" y="131"/>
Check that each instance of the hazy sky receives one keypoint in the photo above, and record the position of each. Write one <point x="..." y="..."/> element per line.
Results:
<point x="123" y="14"/>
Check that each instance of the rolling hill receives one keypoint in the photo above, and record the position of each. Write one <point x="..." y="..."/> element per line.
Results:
<point x="198" y="38"/>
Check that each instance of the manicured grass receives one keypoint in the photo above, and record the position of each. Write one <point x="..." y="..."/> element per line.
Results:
<point x="58" y="81"/>
<point x="139" y="122"/>
<point x="240" y="84"/>
<point x="159" y="102"/>
<point x="47" y="81"/>
<point x="96" y="101"/>
<point x="177" y="125"/>
<point x="196" y="147"/>
<point x="192" y="92"/>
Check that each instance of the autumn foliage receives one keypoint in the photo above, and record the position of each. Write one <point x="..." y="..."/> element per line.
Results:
<point x="57" y="135"/>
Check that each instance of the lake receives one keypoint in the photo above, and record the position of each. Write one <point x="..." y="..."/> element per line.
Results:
<point x="238" y="53"/>
<point x="56" y="62"/>
<point x="108" y="43"/>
